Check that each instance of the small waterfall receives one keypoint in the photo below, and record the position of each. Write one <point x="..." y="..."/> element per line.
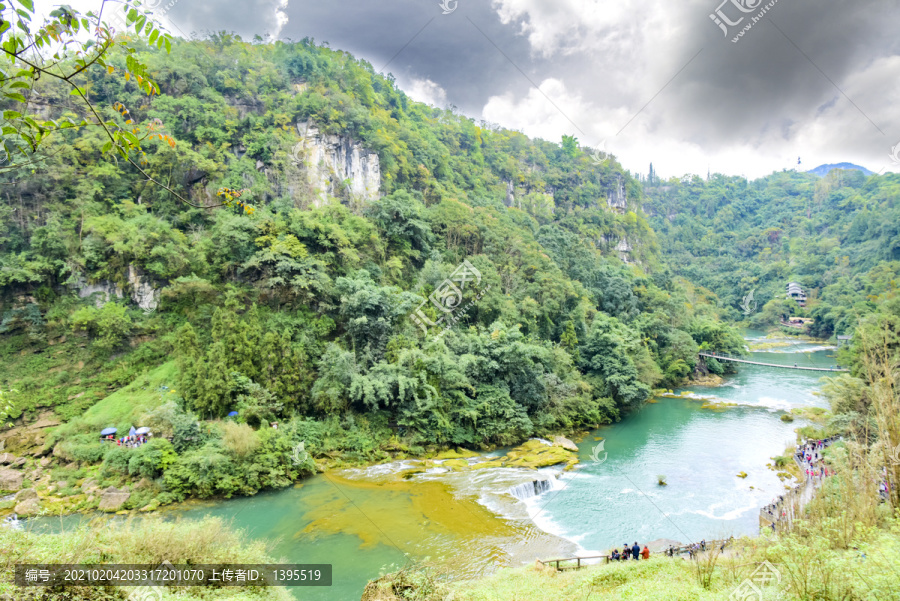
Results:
<point x="527" y="490"/>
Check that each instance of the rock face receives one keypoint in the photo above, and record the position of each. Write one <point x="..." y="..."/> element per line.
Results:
<point x="142" y="292"/>
<point x="101" y="292"/>
<point x="624" y="248"/>
<point x="25" y="494"/>
<point x="10" y="480"/>
<point x="7" y="458"/>
<point x="562" y="441"/>
<point x="88" y="485"/>
<point x="510" y="194"/>
<point x="336" y="166"/>
<point x="28" y="507"/>
<point x="616" y="198"/>
<point x="112" y="499"/>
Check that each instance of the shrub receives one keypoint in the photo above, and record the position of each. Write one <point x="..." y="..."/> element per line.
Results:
<point x="203" y="472"/>
<point x="139" y="498"/>
<point x="240" y="439"/>
<point x="86" y="448"/>
<point x="108" y="326"/>
<point x="166" y="497"/>
<point x="162" y="420"/>
<point x="715" y="367"/>
<point x="149" y="460"/>
<point x="115" y="460"/>
<point x="781" y="460"/>
<point x="187" y="433"/>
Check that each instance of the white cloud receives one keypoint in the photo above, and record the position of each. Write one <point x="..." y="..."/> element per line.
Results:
<point x="569" y="26"/>
<point x="427" y="91"/>
<point x="535" y="116"/>
<point x="746" y="109"/>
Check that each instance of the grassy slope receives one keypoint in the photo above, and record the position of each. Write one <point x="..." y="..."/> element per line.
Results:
<point x="124" y="407"/>
<point x="64" y="375"/>
<point x="149" y="541"/>
<point x="807" y="571"/>
<point x="659" y="578"/>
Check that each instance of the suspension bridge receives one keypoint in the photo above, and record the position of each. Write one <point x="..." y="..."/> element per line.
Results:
<point x="724" y="357"/>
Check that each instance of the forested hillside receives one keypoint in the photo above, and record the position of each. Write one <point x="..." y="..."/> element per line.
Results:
<point x="837" y="236"/>
<point x="297" y="309"/>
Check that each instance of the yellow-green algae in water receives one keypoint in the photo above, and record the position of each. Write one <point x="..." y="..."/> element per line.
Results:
<point x="423" y="518"/>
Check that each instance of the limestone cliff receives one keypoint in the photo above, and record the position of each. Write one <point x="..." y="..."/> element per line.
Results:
<point x="616" y="198"/>
<point x="336" y="166"/>
<point x="140" y="288"/>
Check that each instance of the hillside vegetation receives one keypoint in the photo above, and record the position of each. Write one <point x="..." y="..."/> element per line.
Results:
<point x="837" y="236"/>
<point x="297" y="311"/>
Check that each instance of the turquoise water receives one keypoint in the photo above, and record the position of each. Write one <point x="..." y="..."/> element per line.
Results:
<point x="366" y="522"/>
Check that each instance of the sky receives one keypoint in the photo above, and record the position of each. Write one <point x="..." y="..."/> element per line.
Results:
<point x="647" y="80"/>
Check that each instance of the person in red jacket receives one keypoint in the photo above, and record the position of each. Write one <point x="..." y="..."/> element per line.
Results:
<point x="645" y="554"/>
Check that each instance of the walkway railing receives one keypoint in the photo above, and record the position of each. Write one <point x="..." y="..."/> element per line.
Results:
<point x="697" y="547"/>
<point x="724" y="357"/>
<point x="670" y="551"/>
<point x="577" y="566"/>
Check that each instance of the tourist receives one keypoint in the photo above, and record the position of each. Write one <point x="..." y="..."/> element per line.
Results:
<point x="615" y="555"/>
<point x="645" y="554"/>
<point x="626" y="551"/>
<point x="636" y="551"/>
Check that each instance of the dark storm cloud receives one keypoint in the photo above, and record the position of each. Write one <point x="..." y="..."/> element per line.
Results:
<point x="413" y="39"/>
<point x="614" y="64"/>
<point x="409" y="38"/>
<point x="186" y="18"/>
<point x="790" y="65"/>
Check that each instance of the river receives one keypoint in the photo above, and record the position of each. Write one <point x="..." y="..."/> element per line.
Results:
<point x="369" y="521"/>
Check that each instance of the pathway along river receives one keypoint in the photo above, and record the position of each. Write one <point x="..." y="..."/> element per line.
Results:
<point x="363" y="521"/>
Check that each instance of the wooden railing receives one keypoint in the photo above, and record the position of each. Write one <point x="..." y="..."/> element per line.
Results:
<point x="710" y="544"/>
<point x="577" y="565"/>
<point x="713" y="544"/>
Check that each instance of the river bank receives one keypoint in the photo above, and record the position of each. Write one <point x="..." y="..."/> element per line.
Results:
<point x="34" y="491"/>
<point x="369" y="519"/>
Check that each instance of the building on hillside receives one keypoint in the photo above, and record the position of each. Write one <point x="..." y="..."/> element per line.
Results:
<point x="795" y="292"/>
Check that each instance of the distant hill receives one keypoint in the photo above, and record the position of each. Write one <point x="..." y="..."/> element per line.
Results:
<point x="822" y="170"/>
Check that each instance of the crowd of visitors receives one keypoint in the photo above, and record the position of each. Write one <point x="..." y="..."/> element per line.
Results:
<point x="630" y="552"/>
<point x="131" y="442"/>
<point x="808" y="456"/>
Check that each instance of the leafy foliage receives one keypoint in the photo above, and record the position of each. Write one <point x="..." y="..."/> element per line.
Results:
<point x="297" y="312"/>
